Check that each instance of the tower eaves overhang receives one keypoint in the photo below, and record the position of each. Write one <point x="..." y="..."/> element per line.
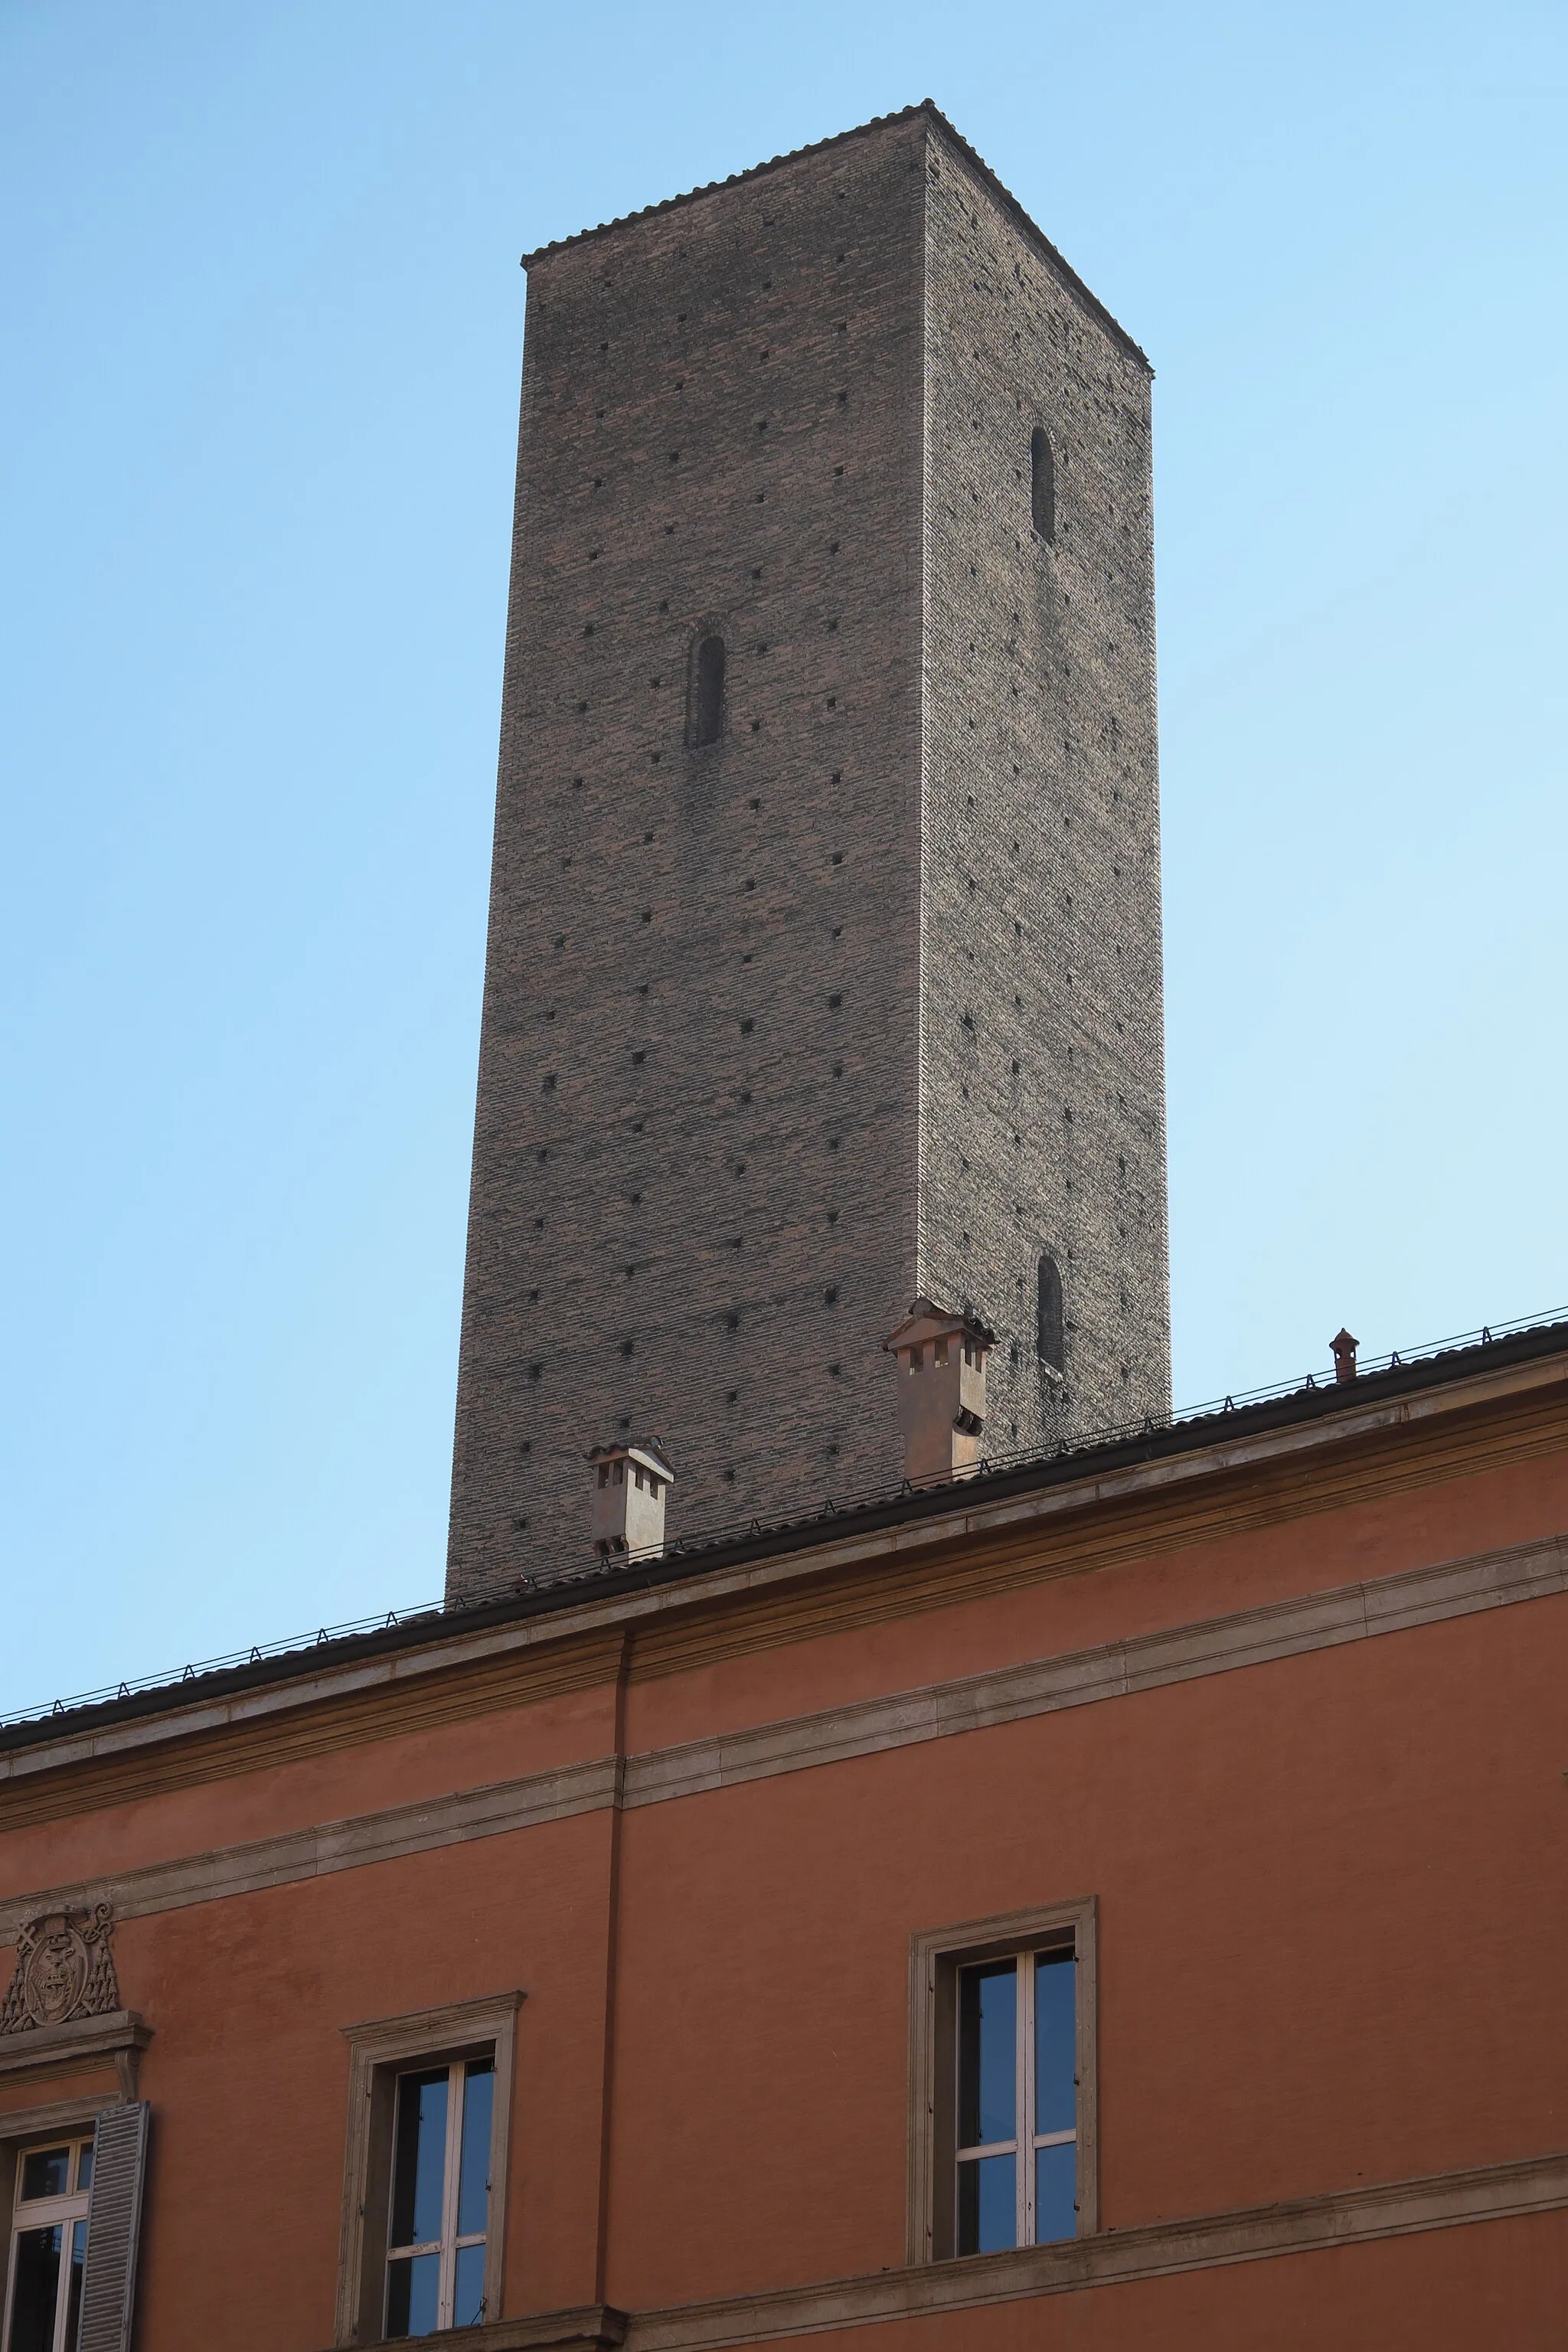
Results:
<point x="934" y="115"/>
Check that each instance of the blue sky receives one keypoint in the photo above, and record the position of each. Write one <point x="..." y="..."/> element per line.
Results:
<point x="263" y="325"/>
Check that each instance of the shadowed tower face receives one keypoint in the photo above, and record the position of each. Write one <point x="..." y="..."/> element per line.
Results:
<point x="823" y="963"/>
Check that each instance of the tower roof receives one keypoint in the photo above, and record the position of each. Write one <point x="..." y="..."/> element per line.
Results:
<point x="933" y="114"/>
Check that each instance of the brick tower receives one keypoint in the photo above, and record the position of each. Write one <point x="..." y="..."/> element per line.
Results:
<point x="824" y="962"/>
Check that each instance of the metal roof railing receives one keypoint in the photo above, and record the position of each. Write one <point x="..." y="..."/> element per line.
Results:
<point x="693" y="1545"/>
<point x="301" y="1642"/>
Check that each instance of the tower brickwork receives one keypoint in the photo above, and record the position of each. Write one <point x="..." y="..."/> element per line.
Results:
<point x="839" y="983"/>
<point x="1042" y="1035"/>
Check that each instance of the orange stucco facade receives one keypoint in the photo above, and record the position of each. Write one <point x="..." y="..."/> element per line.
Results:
<point x="1288" y="1704"/>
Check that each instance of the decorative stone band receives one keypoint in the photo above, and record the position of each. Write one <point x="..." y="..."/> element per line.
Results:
<point x="349" y="1845"/>
<point x="1115" y="1670"/>
<point x="1348" y="2218"/>
<point x="586" y="2328"/>
<point x="1532" y="1389"/>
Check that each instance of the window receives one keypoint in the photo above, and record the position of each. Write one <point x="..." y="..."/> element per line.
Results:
<point x="1042" y="485"/>
<point x="423" y="2207"/>
<point x="71" y="2178"/>
<point x="1002" y="2084"/>
<point x="1018" y="2107"/>
<point x="440" y="2198"/>
<point x="48" y="2247"/>
<point x="1051" y="1326"/>
<point x="706" y="698"/>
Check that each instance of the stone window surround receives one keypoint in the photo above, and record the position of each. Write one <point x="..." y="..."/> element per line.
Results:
<point x="935" y="1957"/>
<point x="380" y="2050"/>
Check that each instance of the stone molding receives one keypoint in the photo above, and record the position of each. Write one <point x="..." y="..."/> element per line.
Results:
<point x="119" y="2034"/>
<point x="19" y="2125"/>
<point x="972" y="1516"/>
<point x="349" y="1845"/>
<point x="587" y="2328"/>
<point x="1249" y="1637"/>
<point x="1345" y="2218"/>
<point x="1348" y="2217"/>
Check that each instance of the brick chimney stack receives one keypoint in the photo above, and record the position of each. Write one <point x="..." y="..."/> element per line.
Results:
<point x="630" y="1482"/>
<point x="940" y="1359"/>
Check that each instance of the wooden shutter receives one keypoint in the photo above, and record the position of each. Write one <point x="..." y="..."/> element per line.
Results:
<point x="113" y="2227"/>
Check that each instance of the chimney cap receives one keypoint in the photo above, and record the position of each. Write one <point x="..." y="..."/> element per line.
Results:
<point x="927" y="1320"/>
<point x="1344" y="1344"/>
<point x="650" y="1453"/>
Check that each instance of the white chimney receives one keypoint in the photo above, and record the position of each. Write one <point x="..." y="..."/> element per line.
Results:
<point x="941" y="1361"/>
<point x="630" y="1482"/>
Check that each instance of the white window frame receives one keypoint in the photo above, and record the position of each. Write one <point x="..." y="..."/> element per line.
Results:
<point x="1026" y="2141"/>
<point x="936" y="1956"/>
<point x="47" y="2214"/>
<point x="449" y="2244"/>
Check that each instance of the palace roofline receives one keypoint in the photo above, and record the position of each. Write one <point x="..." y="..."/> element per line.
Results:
<point x="1232" y="1433"/>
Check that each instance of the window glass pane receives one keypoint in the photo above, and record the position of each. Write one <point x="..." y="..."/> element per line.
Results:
<point x="469" y="2307"/>
<point x="1055" y="2178"/>
<point x="84" y="2165"/>
<point x="987" y="2205"/>
<point x="1055" y="2041"/>
<point x="413" y="2287"/>
<point x="36" y="2277"/>
<point x="420" y="2165"/>
<point x="73" y="2291"/>
<point x="987" y="2043"/>
<point x="473" y="2177"/>
<point x="45" y="2172"/>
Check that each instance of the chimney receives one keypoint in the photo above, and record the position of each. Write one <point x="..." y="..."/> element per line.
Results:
<point x="941" y="1361"/>
<point x="630" y="1482"/>
<point x="1344" y="1346"/>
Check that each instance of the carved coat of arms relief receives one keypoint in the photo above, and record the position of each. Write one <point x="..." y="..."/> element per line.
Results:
<point x="65" y="1968"/>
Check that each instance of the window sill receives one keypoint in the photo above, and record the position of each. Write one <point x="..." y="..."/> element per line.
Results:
<point x="591" y="2328"/>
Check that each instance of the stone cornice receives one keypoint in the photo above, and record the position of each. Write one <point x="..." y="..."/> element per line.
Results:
<point x="1113" y="1670"/>
<point x="322" y="1852"/>
<point x="1156" y="1503"/>
<point x="119" y="2034"/>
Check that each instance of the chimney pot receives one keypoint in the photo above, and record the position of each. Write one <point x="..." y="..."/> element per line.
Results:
<point x="628" y="1512"/>
<point x="941" y="1395"/>
<point x="1344" y="1345"/>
